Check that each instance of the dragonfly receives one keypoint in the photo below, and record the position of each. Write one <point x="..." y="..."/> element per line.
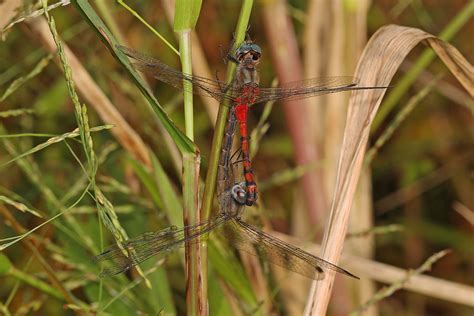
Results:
<point x="228" y="224"/>
<point x="243" y="92"/>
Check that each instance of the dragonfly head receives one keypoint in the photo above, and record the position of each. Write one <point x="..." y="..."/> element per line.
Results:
<point x="248" y="52"/>
<point x="238" y="193"/>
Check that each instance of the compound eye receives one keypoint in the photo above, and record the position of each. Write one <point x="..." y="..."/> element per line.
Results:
<point x="239" y="194"/>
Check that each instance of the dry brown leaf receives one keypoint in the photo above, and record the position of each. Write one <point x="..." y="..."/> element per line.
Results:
<point x="8" y="11"/>
<point x="382" y="56"/>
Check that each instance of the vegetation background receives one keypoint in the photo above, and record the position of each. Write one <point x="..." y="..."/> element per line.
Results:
<point x="415" y="201"/>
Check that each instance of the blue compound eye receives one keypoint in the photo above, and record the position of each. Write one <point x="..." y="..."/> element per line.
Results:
<point x="248" y="48"/>
<point x="243" y="49"/>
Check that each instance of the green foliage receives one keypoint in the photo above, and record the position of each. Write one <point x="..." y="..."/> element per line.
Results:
<point x="186" y="14"/>
<point x="61" y="165"/>
<point x="183" y="143"/>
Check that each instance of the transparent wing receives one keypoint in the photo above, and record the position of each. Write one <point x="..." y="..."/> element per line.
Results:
<point x="121" y="258"/>
<point x="256" y="242"/>
<point x="225" y="175"/>
<point x="308" y="88"/>
<point x="173" y="77"/>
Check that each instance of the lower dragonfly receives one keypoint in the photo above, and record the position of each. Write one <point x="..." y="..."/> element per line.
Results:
<point x="243" y="92"/>
<point x="232" y="197"/>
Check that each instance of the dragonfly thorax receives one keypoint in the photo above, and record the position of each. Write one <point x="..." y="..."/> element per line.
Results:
<point x="247" y="74"/>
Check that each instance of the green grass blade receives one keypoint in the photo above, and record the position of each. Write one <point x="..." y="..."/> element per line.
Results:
<point x="211" y="175"/>
<point x="19" y="206"/>
<point x="53" y="140"/>
<point x="22" y="80"/>
<point x="15" y="112"/>
<point x="142" y="20"/>
<point x="184" y="143"/>
<point x="161" y="190"/>
<point x="186" y="14"/>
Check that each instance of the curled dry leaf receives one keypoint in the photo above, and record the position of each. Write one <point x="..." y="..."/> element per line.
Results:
<point x="381" y="58"/>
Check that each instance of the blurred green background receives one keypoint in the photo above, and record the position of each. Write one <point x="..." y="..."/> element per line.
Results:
<point x="422" y="178"/>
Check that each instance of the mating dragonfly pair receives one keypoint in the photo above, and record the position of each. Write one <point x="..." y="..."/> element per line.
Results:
<point x="232" y="196"/>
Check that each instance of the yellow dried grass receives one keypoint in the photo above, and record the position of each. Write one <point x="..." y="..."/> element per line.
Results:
<point x="381" y="58"/>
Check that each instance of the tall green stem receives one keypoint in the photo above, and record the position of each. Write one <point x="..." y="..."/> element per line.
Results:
<point x="211" y="175"/>
<point x="185" y="18"/>
<point x="196" y="298"/>
<point x="186" y="64"/>
<point x="210" y="185"/>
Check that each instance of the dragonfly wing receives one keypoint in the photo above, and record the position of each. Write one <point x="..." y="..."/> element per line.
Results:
<point x="175" y="78"/>
<point x="120" y="258"/>
<point x="307" y="88"/>
<point x="225" y="172"/>
<point x="256" y="242"/>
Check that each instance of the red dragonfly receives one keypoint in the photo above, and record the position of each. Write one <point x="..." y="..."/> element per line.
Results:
<point x="243" y="92"/>
<point x="232" y="200"/>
